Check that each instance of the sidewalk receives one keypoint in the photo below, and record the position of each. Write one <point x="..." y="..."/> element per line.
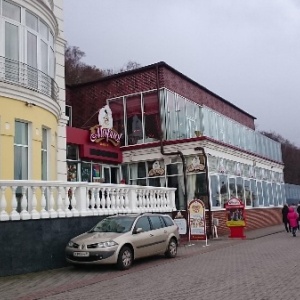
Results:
<point x="195" y="247"/>
<point x="52" y="282"/>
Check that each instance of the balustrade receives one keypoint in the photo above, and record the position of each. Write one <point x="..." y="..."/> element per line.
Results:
<point x="30" y="199"/>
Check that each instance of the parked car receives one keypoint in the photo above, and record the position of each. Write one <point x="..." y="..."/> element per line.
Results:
<point x="121" y="239"/>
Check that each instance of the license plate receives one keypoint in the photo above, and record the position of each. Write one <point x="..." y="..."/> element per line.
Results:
<point x="81" y="254"/>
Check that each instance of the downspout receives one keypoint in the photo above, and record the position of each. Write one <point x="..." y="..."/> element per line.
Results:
<point x="175" y="152"/>
<point x="210" y="234"/>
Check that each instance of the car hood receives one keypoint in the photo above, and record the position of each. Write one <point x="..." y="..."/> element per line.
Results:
<point x="96" y="237"/>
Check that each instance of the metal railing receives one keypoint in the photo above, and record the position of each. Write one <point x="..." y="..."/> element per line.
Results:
<point x="18" y="73"/>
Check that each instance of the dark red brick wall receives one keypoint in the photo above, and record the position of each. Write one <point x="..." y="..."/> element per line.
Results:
<point x="255" y="219"/>
<point x="87" y="99"/>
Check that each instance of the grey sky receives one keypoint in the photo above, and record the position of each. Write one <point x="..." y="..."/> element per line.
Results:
<point x="246" y="51"/>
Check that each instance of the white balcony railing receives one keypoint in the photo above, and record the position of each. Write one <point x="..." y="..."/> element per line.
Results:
<point x="18" y="73"/>
<point x="30" y="199"/>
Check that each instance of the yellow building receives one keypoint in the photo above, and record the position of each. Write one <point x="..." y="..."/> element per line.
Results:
<point x="32" y="91"/>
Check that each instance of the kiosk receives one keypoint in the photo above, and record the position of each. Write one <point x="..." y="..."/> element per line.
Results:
<point x="235" y="216"/>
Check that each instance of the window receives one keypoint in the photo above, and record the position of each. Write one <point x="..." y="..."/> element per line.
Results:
<point x="168" y="221"/>
<point x="11" y="52"/>
<point x="69" y="114"/>
<point x="11" y="11"/>
<point x="156" y="222"/>
<point x="44" y="154"/>
<point x="28" y="40"/>
<point x="143" y="223"/>
<point x="21" y="151"/>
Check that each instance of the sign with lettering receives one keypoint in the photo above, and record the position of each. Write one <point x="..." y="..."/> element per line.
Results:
<point x="196" y="214"/>
<point x="105" y="131"/>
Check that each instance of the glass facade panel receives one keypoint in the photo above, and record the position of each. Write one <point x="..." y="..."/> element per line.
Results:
<point x="214" y="191"/>
<point x="134" y="120"/>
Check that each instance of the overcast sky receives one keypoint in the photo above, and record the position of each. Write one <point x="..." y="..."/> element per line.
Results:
<point x="246" y="51"/>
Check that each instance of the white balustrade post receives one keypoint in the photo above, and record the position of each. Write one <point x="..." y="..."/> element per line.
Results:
<point x="60" y="211"/>
<point x="14" y="215"/>
<point x="24" y="213"/>
<point x="93" y="202"/>
<point x="103" y="210"/>
<point x="152" y="199"/>
<point x="34" y="213"/>
<point x="113" y="201"/>
<point x="67" y="202"/>
<point x="44" y="214"/>
<point x="3" y="213"/>
<point x="159" y="200"/>
<point x="108" y="200"/>
<point x="52" y="212"/>
<point x="165" y="200"/>
<point x="172" y="200"/>
<point x="97" y="200"/>
<point x="118" y="200"/>
<point x="79" y="198"/>
<point x="126" y="200"/>
<point x="133" y="200"/>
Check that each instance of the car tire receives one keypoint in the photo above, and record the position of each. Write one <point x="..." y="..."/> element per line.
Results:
<point x="172" y="249"/>
<point x="125" y="258"/>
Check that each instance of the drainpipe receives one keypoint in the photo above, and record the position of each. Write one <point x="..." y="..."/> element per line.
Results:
<point x="210" y="233"/>
<point x="175" y="152"/>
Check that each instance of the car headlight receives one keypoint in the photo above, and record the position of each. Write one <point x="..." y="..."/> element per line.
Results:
<point x="71" y="244"/>
<point x="107" y="244"/>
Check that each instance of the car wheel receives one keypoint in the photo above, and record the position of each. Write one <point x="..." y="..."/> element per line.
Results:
<point x="125" y="258"/>
<point x="172" y="249"/>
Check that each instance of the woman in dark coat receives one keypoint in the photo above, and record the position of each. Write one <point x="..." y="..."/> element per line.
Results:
<point x="285" y="211"/>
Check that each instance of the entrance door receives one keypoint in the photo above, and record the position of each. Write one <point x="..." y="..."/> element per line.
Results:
<point x="111" y="174"/>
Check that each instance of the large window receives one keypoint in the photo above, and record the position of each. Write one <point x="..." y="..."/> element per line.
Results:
<point x="136" y="117"/>
<point x="44" y="154"/>
<point x="228" y="179"/>
<point x="21" y="151"/>
<point x="28" y="39"/>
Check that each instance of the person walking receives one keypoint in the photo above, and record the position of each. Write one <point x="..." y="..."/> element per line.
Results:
<point x="293" y="220"/>
<point x="298" y="211"/>
<point x="285" y="211"/>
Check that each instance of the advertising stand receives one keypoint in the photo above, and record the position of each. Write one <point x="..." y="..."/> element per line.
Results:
<point x="235" y="213"/>
<point x="196" y="220"/>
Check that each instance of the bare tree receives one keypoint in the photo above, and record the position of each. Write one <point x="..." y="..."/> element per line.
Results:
<point x="290" y="157"/>
<point x="76" y="71"/>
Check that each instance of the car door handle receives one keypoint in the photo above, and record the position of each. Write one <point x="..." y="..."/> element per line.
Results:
<point x="151" y="234"/>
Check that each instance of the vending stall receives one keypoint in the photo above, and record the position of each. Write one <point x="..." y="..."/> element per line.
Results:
<point x="235" y="216"/>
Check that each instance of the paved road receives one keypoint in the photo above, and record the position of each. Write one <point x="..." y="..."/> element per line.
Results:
<point x="258" y="269"/>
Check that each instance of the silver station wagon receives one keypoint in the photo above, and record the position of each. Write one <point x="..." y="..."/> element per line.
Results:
<point x="121" y="239"/>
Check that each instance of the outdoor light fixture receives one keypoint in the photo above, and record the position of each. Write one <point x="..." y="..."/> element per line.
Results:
<point x="30" y="104"/>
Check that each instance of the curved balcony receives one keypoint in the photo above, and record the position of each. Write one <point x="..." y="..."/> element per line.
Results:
<point x="18" y="73"/>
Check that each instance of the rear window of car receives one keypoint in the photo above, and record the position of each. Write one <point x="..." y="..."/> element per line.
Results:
<point x="168" y="221"/>
<point x="156" y="222"/>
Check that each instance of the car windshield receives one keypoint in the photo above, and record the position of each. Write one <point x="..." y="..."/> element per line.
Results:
<point x="115" y="224"/>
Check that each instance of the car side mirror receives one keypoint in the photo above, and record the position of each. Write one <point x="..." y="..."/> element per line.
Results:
<point x="137" y="230"/>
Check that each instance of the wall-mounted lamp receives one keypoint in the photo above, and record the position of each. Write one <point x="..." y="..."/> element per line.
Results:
<point x="30" y="104"/>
